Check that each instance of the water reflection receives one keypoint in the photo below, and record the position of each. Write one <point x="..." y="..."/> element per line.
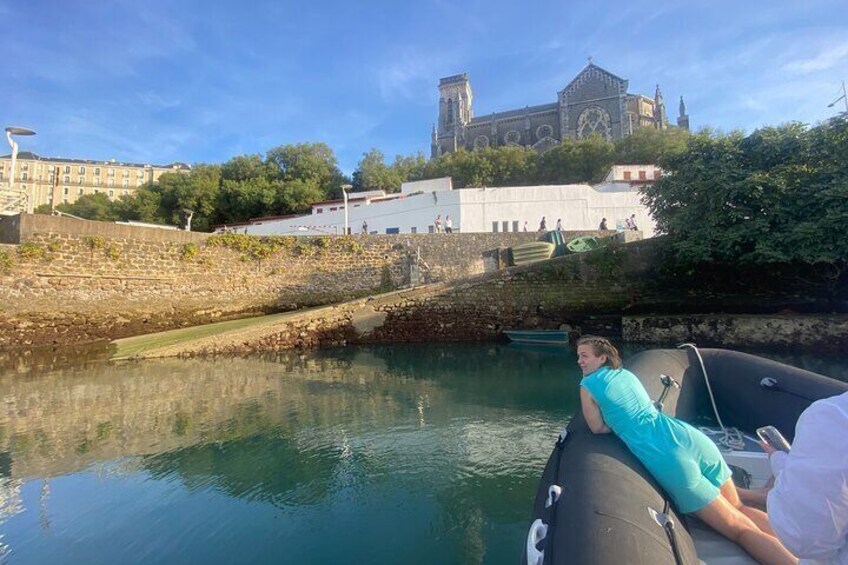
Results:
<point x="396" y="454"/>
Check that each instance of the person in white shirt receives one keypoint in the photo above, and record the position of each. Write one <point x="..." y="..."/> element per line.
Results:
<point x="808" y="505"/>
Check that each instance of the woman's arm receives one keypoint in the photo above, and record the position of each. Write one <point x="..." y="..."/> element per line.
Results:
<point x="592" y="413"/>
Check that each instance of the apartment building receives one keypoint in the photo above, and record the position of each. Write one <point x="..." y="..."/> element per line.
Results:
<point x="53" y="180"/>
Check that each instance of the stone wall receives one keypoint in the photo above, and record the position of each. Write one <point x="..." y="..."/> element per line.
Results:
<point x="588" y="293"/>
<point x="73" y="281"/>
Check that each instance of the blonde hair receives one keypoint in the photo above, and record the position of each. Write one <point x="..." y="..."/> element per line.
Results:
<point x="602" y="346"/>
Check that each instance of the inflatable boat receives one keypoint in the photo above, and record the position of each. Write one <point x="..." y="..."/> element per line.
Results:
<point x="597" y="504"/>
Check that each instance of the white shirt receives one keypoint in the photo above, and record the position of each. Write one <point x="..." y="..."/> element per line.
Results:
<point x="808" y="506"/>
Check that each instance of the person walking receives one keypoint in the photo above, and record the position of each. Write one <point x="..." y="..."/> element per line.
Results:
<point x="559" y="224"/>
<point x="364" y="226"/>
<point x="448" y="224"/>
<point x="633" y="222"/>
<point x="438" y="223"/>
<point x="603" y="226"/>
<point x="543" y="225"/>
<point x="525" y="225"/>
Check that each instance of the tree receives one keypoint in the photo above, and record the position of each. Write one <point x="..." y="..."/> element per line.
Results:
<point x="91" y="207"/>
<point x="296" y="196"/>
<point x="372" y="173"/>
<point x="649" y="146"/>
<point x="313" y="163"/>
<point x="238" y="201"/>
<point x="775" y="196"/>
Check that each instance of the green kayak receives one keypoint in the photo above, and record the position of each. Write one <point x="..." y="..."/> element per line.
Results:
<point x="583" y="243"/>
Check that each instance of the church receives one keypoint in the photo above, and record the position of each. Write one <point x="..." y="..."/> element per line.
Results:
<point x="595" y="102"/>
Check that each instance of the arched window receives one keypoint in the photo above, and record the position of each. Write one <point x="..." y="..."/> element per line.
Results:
<point x="449" y="118"/>
<point x="594" y="120"/>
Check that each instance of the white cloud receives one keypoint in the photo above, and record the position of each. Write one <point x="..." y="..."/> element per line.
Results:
<point x="826" y="59"/>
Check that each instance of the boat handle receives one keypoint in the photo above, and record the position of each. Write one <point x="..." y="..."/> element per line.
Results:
<point x="554" y="492"/>
<point x="768" y="382"/>
<point x="538" y="531"/>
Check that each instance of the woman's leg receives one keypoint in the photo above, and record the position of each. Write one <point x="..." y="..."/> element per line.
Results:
<point x="760" y="518"/>
<point x="726" y="519"/>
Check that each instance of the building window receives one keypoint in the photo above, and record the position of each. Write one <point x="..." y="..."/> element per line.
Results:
<point x="111" y="172"/>
<point x="626" y="175"/>
<point x="505" y="226"/>
<point x="413" y="230"/>
<point x="111" y="194"/>
<point x="319" y="210"/>
<point x="23" y="176"/>
<point x="97" y="171"/>
<point x="23" y="187"/>
<point x="97" y="181"/>
<point x="81" y="191"/>
<point x="81" y="179"/>
<point x="1" y="175"/>
<point x="642" y="175"/>
<point x="96" y="191"/>
<point x="140" y="174"/>
<point x="126" y="173"/>
<point x="333" y="209"/>
<point x="82" y="170"/>
<point x="139" y="182"/>
<point x="515" y="226"/>
<point x="65" y="191"/>
<point x="110" y="182"/>
<point x="125" y="183"/>
<point x="64" y="201"/>
<point x="52" y="177"/>
<point x="25" y="167"/>
<point x="494" y="227"/>
<point x="67" y="169"/>
<point x="66" y="178"/>
<point x="125" y="192"/>
<point x="656" y="174"/>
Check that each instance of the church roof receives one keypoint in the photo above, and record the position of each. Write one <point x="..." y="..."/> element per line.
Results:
<point x="589" y="67"/>
<point x="513" y="113"/>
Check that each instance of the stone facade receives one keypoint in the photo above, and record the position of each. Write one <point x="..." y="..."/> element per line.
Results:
<point x="595" y="102"/>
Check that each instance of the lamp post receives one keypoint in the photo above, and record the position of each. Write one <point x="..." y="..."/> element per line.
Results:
<point x="345" y="188"/>
<point x="10" y="131"/>
<point x="844" y="97"/>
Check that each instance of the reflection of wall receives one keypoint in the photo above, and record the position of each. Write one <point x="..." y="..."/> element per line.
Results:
<point x="70" y="418"/>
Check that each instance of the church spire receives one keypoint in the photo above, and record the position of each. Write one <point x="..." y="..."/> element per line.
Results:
<point x="682" y="107"/>
<point x="683" y="119"/>
<point x="660" y="120"/>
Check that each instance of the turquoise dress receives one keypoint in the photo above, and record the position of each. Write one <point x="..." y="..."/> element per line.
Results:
<point x="682" y="459"/>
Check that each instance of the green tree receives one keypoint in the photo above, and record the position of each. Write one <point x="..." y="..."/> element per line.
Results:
<point x="775" y="196"/>
<point x="313" y="163"/>
<point x="296" y="196"/>
<point x="91" y="207"/>
<point x="238" y="201"/>
<point x="649" y="146"/>
<point x="372" y="173"/>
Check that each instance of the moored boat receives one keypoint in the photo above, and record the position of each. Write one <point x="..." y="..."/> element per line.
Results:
<point x="542" y="337"/>
<point x="532" y="252"/>
<point x="583" y="243"/>
<point x="596" y="503"/>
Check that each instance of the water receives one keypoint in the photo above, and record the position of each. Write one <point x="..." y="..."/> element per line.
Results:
<point x="405" y="454"/>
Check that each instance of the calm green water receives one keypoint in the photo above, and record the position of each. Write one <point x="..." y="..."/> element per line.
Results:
<point x="419" y="454"/>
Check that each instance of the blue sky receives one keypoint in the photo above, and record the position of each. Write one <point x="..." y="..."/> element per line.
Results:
<point x="202" y="81"/>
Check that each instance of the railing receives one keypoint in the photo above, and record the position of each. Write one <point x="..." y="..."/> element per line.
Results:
<point x="12" y="202"/>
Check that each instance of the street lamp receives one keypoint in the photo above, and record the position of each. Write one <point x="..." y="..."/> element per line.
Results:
<point x="843" y="97"/>
<point x="10" y="131"/>
<point x="345" y="188"/>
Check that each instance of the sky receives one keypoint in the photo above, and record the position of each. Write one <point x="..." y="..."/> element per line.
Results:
<point x="159" y="81"/>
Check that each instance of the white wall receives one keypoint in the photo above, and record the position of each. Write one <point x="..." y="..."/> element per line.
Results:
<point x="474" y="209"/>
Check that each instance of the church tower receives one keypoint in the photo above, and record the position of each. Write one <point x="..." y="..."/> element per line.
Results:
<point x="683" y="118"/>
<point x="455" y="112"/>
<point x="660" y="117"/>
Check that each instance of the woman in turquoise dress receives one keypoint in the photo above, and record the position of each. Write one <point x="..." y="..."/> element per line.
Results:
<point x="685" y="462"/>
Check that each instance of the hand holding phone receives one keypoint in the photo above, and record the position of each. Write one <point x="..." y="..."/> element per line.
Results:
<point x="772" y="437"/>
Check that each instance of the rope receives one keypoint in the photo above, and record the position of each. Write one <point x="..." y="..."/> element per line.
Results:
<point x="733" y="438"/>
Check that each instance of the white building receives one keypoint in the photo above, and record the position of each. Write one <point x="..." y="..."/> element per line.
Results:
<point x="495" y="209"/>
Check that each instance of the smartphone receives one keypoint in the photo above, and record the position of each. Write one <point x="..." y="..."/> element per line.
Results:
<point x="771" y="436"/>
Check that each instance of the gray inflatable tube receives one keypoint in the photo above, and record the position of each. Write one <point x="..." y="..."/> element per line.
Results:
<point x="597" y="504"/>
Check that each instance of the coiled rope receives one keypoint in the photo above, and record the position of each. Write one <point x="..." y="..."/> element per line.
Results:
<point x="732" y="438"/>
